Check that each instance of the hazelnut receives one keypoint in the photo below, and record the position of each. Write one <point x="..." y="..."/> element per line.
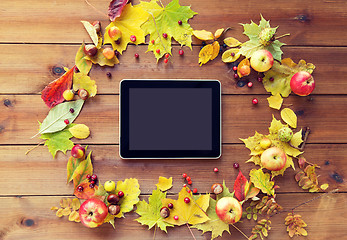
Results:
<point x="113" y="199"/>
<point x="217" y="188"/>
<point x="114" y="209"/>
<point x="90" y="50"/>
<point x="83" y="94"/>
<point x="97" y="26"/>
<point x="164" y="212"/>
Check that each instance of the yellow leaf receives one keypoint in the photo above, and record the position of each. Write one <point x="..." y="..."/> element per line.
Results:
<point x="80" y="131"/>
<point x="164" y="183"/>
<point x="131" y="189"/>
<point x="262" y="181"/>
<point x="73" y="216"/>
<point x="275" y="126"/>
<point x="218" y="33"/>
<point x="216" y="48"/>
<point x="230" y="55"/>
<point x="100" y="59"/>
<point x="296" y="139"/>
<point x="91" y="31"/>
<point x="324" y="186"/>
<point x="289" y="117"/>
<point x="64" y="203"/>
<point x="75" y="204"/>
<point x="66" y="211"/>
<point x="240" y="68"/>
<point x="59" y="212"/>
<point x="275" y="101"/>
<point x="203" y="35"/>
<point x="232" y="42"/>
<point x="205" y="54"/>
<point x="54" y="208"/>
<point x="81" y="80"/>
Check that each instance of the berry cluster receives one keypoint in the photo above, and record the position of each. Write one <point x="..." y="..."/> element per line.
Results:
<point x="92" y="180"/>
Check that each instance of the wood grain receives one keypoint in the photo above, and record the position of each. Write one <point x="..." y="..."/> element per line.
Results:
<point x="27" y="69"/>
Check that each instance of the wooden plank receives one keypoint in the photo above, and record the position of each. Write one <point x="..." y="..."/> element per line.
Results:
<point x="29" y="68"/>
<point x="18" y="121"/>
<point x="23" y="174"/>
<point x="30" y="218"/>
<point x="59" y="22"/>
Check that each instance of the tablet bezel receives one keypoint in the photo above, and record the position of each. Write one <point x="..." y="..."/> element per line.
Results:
<point x="124" y="151"/>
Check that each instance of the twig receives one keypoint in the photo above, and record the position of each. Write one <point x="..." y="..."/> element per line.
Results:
<point x="284" y="35"/>
<point x="239" y="230"/>
<point x="155" y="230"/>
<point x="26" y="153"/>
<point x="96" y="9"/>
<point x="190" y="230"/>
<point x="307" y="132"/>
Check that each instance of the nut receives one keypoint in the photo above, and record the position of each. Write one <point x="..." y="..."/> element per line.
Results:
<point x="113" y="199"/>
<point x="90" y="50"/>
<point x="164" y="212"/>
<point x="97" y="26"/>
<point x="114" y="209"/>
<point x="83" y="94"/>
<point x="217" y="188"/>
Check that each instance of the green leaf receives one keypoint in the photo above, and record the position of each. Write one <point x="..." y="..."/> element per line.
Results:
<point x="58" y="141"/>
<point x="225" y="193"/>
<point x="131" y="189"/>
<point x="82" y="64"/>
<point x="91" y="31"/>
<point x="262" y="181"/>
<point x="83" y="168"/>
<point x="214" y="224"/>
<point x="54" y="121"/>
<point x="150" y="212"/>
<point x="81" y="80"/>
<point x="164" y="183"/>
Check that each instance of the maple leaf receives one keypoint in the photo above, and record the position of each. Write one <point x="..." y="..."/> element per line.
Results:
<point x="129" y="24"/>
<point x="275" y="101"/>
<point x="82" y="81"/>
<point x="58" y="141"/>
<point x="192" y="213"/>
<point x="281" y="74"/>
<point x="131" y="189"/>
<point x="261" y="37"/>
<point x="82" y="64"/>
<point x="150" y="212"/>
<point x="262" y="181"/>
<point x="165" y="20"/>
<point x="225" y="193"/>
<point x="115" y="8"/>
<point x="164" y="183"/>
<point x="52" y="94"/>
<point x="100" y="59"/>
<point x="214" y="224"/>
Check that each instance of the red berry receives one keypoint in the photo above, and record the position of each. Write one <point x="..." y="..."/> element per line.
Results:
<point x="260" y="79"/>
<point x="167" y="55"/>
<point x="166" y="60"/>
<point x="133" y="38"/>
<point x="66" y="121"/>
<point x="72" y="110"/>
<point x="215" y="169"/>
<point x="236" y="76"/>
<point x="195" y="190"/>
<point x="188" y="178"/>
<point x="80" y="189"/>
<point x="190" y="182"/>
<point x="152" y="41"/>
<point x="184" y="185"/>
<point x="109" y="75"/>
<point x="164" y="35"/>
<point x="92" y="182"/>
<point x="94" y="177"/>
<point x="179" y="22"/>
<point x="188" y="190"/>
<point x="88" y="177"/>
<point x="181" y="52"/>
<point x="236" y="165"/>
<point x="234" y="68"/>
<point x="271" y="79"/>
<point x="120" y="194"/>
<point x="187" y="200"/>
<point x="176" y="217"/>
<point x="250" y="84"/>
<point x="170" y="205"/>
<point x="184" y="175"/>
<point x="137" y="55"/>
<point x="232" y="54"/>
<point x="255" y="101"/>
<point x="157" y="51"/>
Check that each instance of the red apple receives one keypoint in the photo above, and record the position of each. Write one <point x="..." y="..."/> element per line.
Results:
<point x="262" y="60"/>
<point x="302" y="83"/>
<point x="78" y="151"/>
<point x="114" y="33"/>
<point x="93" y="212"/>
<point x="229" y="210"/>
<point x="273" y="159"/>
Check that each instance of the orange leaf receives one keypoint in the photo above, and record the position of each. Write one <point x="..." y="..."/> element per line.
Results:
<point x="216" y="48"/>
<point x="87" y="191"/>
<point x="52" y="94"/>
<point x="240" y="185"/>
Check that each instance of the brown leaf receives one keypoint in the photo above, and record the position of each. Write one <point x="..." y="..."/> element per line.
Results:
<point x="115" y="8"/>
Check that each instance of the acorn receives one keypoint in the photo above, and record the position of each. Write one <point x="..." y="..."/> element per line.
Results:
<point x="83" y="94"/>
<point x="90" y="50"/>
<point x="217" y="188"/>
<point x="164" y="212"/>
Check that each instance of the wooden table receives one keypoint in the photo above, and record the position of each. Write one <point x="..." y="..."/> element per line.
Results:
<point x="38" y="37"/>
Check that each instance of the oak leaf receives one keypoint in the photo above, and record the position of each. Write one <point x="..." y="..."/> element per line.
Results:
<point x="115" y="8"/>
<point x="262" y="181"/>
<point x="82" y="81"/>
<point x="164" y="183"/>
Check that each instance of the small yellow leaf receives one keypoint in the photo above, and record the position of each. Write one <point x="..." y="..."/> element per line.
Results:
<point x="54" y="208"/>
<point x="80" y="131"/>
<point x="232" y="42"/>
<point x="216" y="48"/>
<point x="296" y="139"/>
<point x="230" y="55"/>
<point x="75" y="204"/>
<point x="218" y="33"/>
<point x="66" y="211"/>
<point x="289" y="117"/>
<point x="164" y="183"/>
<point x="324" y="186"/>
<point x="73" y="216"/>
<point x="64" y="203"/>
<point x="302" y="231"/>
<point x="59" y="212"/>
<point x="81" y="80"/>
<point x="91" y="31"/>
<point x="275" y="101"/>
<point x="205" y="54"/>
<point x="203" y="35"/>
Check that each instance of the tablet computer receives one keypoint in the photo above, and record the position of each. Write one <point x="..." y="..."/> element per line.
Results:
<point x="170" y="119"/>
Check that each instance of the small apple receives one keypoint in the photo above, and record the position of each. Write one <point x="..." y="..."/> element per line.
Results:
<point x="68" y="94"/>
<point x="229" y="210"/>
<point x="93" y="212"/>
<point x="262" y="60"/>
<point x="110" y="186"/>
<point x="273" y="159"/>
<point x="114" y="33"/>
<point x="302" y="83"/>
<point x="265" y="143"/>
<point x="78" y="151"/>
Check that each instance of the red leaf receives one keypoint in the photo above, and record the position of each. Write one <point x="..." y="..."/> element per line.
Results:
<point x="240" y="187"/>
<point x="52" y="95"/>
<point x="87" y="191"/>
<point x="115" y="8"/>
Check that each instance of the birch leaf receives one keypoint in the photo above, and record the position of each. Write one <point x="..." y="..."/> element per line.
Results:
<point x="230" y="55"/>
<point x="275" y="101"/>
<point x="203" y="35"/>
<point x="232" y="42"/>
<point x="91" y="31"/>
<point x="216" y="48"/>
<point x="205" y="54"/>
<point x="289" y="117"/>
<point x="80" y="131"/>
<point x="218" y="33"/>
<point x="296" y="139"/>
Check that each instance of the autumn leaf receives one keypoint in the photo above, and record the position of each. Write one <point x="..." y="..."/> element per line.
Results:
<point x="277" y="79"/>
<point x="295" y="225"/>
<point x="240" y="185"/>
<point x="82" y="81"/>
<point x="52" y="94"/>
<point x="78" y="169"/>
<point x="87" y="191"/>
<point x="262" y="181"/>
<point x="230" y="55"/>
<point x="80" y="131"/>
<point x="58" y="141"/>
<point x="129" y="23"/>
<point x="289" y="117"/>
<point x="218" y="33"/>
<point x="216" y="48"/>
<point x="244" y="62"/>
<point x="203" y="35"/>
<point x="225" y="193"/>
<point x="131" y="189"/>
<point x="164" y="183"/>
<point x="164" y="20"/>
<point x="115" y="8"/>
<point x="192" y="213"/>
<point x="275" y="101"/>
<point x="232" y="42"/>
<point x="150" y="212"/>
<point x="214" y="224"/>
<point x="296" y="139"/>
<point x="205" y="54"/>
<point x="82" y="64"/>
<point x="100" y="59"/>
<point x="91" y="30"/>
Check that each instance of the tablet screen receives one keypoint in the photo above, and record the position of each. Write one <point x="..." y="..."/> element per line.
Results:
<point x="170" y="119"/>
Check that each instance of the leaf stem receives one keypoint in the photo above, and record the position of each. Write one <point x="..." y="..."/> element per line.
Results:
<point x="26" y="153"/>
<point x="156" y="29"/>
<point x="239" y="231"/>
<point x="190" y="230"/>
<point x="284" y="35"/>
<point x="155" y="230"/>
